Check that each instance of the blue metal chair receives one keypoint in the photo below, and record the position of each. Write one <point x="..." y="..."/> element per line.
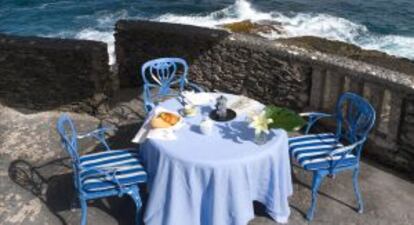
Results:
<point x="330" y="153"/>
<point x="162" y="75"/>
<point x="104" y="174"/>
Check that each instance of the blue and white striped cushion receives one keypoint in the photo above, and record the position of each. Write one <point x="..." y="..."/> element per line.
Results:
<point x="127" y="164"/>
<point x="311" y="151"/>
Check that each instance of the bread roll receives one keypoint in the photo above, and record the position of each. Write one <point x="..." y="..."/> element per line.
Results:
<point x="164" y="120"/>
<point x="169" y="118"/>
<point x="158" y="122"/>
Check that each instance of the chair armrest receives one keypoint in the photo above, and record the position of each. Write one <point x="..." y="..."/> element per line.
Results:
<point x="313" y="117"/>
<point x="149" y="107"/>
<point x="346" y="149"/>
<point x="98" y="134"/>
<point x="315" y="114"/>
<point x="148" y="103"/>
<point x="108" y="172"/>
<point x="343" y="152"/>
<point x="94" y="132"/>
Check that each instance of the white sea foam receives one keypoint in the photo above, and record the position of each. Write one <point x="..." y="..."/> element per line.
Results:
<point x="323" y="25"/>
<point x="104" y="30"/>
<point x="240" y="10"/>
<point x="392" y="44"/>
<point x="104" y="36"/>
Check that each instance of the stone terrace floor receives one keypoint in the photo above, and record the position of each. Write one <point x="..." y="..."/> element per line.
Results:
<point x="44" y="195"/>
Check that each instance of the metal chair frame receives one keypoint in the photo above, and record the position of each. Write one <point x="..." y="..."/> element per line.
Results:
<point x="355" y="118"/>
<point x="162" y="74"/>
<point x="69" y="140"/>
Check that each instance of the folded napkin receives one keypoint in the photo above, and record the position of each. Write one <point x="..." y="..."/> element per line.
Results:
<point x="245" y="105"/>
<point x="197" y="98"/>
<point x="162" y="134"/>
<point x="145" y="132"/>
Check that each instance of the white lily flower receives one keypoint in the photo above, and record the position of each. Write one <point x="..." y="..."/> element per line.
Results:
<point x="260" y="123"/>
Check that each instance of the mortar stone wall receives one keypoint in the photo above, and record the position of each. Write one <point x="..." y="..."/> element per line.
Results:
<point x="39" y="74"/>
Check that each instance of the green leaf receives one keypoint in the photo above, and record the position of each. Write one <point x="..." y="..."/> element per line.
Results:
<point x="284" y="118"/>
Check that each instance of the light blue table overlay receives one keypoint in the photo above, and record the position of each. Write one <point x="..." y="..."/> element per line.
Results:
<point x="213" y="179"/>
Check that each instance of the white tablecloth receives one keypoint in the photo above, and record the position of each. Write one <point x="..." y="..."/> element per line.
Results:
<point x="213" y="179"/>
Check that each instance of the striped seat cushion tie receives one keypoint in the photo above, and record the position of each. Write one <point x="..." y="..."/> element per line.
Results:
<point x="312" y="151"/>
<point x="125" y="166"/>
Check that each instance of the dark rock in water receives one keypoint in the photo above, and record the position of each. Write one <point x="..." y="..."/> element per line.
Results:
<point x="352" y="51"/>
<point x="256" y="28"/>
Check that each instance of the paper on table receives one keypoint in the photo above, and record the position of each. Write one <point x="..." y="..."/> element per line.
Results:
<point x="197" y="98"/>
<point x="165" y="134"/>
<point x="161" y="134"/>
<point x="245" y="105"/>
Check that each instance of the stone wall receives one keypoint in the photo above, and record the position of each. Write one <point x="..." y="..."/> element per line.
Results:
<point x="38" y="74"/>
<point x="281" y="73"/>
<point x="217" y="59"/>
<point x="407" y="132"/>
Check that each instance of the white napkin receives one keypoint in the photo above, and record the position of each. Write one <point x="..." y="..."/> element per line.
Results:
<point x="245" y="105"/>
<point x="145" y="132"/>
<point x="162" y="134"/>
<point x="197" y="98"/>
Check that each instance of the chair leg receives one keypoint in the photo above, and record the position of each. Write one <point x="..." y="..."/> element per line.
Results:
<point x="317" y="180"/>
<point x="292" y="168"/>
<point x="84" y="207"/>
<point x="138" y="204"/>
<point x="74" y="202"/>
<point x="360" y="208"/>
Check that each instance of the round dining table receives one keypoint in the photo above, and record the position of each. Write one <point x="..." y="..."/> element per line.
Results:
<point x="213" y="179"/>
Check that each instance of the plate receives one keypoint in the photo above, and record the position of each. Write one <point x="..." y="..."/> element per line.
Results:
<point x="231" y="114"/>
<point x="175" y="126"/>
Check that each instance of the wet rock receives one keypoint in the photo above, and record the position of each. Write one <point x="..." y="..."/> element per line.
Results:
<point x="353" y="52"/>
<point x="260" y="27"/>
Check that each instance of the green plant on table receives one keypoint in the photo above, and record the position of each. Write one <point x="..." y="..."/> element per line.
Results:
<point x="284" y="118"/>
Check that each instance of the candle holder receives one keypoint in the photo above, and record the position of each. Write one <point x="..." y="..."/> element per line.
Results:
<point x="222" y="113"/>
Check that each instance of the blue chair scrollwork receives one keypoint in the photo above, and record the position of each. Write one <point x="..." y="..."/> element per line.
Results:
<point x="162" y="75"/>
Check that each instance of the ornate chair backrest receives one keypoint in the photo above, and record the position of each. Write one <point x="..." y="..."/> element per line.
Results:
<point x="355" y="118"/>
<point x="163" y="73"/>
<point x="68" y="137"/>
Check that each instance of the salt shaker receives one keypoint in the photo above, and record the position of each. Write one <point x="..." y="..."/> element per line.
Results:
<point x="221" y="107"/>
<point x="206" y="126"/>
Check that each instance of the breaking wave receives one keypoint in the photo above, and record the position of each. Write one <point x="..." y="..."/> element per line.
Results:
<point x="293" y="24"/>
<point x="104" y="36"/>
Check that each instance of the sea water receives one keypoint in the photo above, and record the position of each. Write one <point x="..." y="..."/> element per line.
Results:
<point x="385" y="25"/>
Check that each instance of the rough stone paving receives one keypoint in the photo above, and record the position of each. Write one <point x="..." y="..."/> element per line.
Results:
<point x="45" y="194"/>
